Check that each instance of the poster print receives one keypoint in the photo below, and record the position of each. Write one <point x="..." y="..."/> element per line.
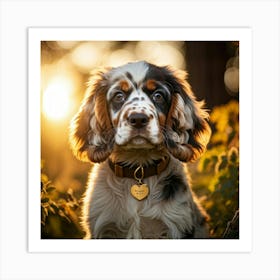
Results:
<point x="141" y="112"/>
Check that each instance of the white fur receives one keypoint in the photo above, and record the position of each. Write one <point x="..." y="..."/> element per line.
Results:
<point x="184" y="114"/>
<point x="108" y="200"/>
<point x="138" y="71"/>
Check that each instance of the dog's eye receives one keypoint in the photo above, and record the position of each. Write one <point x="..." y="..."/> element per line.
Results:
<point x="119" y="97"/>
<point x="157" y="97"/>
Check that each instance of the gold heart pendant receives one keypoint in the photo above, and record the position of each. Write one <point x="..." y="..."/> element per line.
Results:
<point x="139" y="191"/>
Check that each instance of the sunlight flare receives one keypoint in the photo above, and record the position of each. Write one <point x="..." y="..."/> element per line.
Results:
<point x="56" y="98"/>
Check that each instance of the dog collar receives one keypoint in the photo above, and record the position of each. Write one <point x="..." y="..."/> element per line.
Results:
<point x="156" y="168"/>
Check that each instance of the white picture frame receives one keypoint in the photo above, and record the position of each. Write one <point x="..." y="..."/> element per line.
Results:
<point x="259" y="261"/>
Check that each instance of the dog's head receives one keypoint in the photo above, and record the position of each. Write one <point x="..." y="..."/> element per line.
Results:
<point x="139" y="106"/>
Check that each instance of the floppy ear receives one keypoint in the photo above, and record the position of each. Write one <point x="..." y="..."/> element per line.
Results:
<point x="187" y="129"/>
<point x="91" y="131"/>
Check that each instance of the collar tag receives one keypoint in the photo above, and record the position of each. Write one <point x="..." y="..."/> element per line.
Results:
<point x="139" y="191"/>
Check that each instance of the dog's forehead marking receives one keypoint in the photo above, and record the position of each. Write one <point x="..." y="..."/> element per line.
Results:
<point x="124" y="85"/>
<point x="151" y="84"/>
<point x="138" y="97"/>
<point x="135" y="72"/>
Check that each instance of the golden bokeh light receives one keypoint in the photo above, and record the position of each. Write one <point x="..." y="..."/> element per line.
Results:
<point x="57" y="98"/>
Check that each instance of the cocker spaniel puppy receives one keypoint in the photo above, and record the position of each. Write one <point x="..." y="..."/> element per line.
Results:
<point x="138" y="124"/>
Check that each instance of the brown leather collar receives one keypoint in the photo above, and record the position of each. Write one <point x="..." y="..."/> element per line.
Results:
<point x="150" y="170"/>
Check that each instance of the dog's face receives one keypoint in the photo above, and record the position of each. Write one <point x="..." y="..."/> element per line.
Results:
<point x="139" y="106"/>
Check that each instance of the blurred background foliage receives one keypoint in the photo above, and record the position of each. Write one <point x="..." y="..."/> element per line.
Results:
<point x="213" y="69"/>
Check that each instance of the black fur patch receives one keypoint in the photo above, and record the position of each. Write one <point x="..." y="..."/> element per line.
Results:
<point x="156" y="73"/>
<point x="170" y="143"/>
<point x="192" y="140"/>
<point x="172" y="185"/>
<point x="129" y="76"/>
<point x="188" y="235"/>
<point x="164" y="75"/>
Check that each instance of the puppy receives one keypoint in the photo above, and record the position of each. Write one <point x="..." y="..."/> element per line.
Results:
<point x="139" y="123"/>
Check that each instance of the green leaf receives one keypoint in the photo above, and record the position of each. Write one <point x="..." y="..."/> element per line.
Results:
<point x="233" y="155"/>
<point x="52" y="210"/>
<point x="45" y="199"/>
<point x="50" y="189"/>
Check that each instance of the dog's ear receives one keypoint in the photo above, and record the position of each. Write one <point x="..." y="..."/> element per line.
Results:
<point x="91" y="131"/>
<point x="187" y="128"/>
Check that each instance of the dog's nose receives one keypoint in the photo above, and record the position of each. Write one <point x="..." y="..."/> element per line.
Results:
<point x="138" y="120"/>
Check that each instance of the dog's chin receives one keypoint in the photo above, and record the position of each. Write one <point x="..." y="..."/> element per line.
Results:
<point x="139" y="142"/>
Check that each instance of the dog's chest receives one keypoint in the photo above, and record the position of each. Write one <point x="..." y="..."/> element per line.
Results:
<point x="144" y="218"/>
<point x="116" y="213"/>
